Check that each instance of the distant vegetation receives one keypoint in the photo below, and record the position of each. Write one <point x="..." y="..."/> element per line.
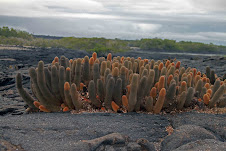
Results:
<point x="172" y="45"/>
<point x="10" y="36"/>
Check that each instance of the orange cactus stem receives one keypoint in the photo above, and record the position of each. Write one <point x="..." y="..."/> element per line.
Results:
<point x="183" y="87"/>
<point x="156" y="84"/>
<point x="139" y="58"/>
<point x="116" y="64"/>
<point x="103" y="109"/>
<point x="153" y="92"/>
<point x="208" y="80"/>
<point x="161" y="83"/>
<point x="207" y="86"/>
<point x="160" y="101"/>
<point x="141" y="63"/>
<point x="125" y="101"/>
<point x="53" y="62"/>
<point x="146" y="60"/>
<point x="197" y="78"/>
<point x="37" y="104"/>
<point x="68" y="69"/>
<point x="208" y="95"/>
<point x="184" y="75"/>
<point x="65" y="109"/>
<point x="94" y="56"/>
<point x="91" y="61"/>
<point x="71" y="60"/>
<point x="169" y="79"/>
<point x="222" y="82"/>
<point x="172" y="64"/>
<point x="81" y="86"/>
<point x="177" y="71"/>
<point x="109" y="57"/>
<point x="128" y="88"/>
<point x="160" y="66"/>
<point x="178" y="65"/>
<point x="44" y="109"/>
<point x="209" y="91"/>
<point x="97" y="61"/>
<point x="167" y="63"/>
<point x="115" y="72"/>
<point x="63" y="105"/>
<point x="56" y="59"/>
<point x="194" y="71"/>
<point x="206" y="99"/>
<point x="122" y="59"/>
<point x="199" y="73"/>
<point x="114" y="106"/>
<point x="199" y="99"/>
<point x="183" y="83"/>
<point x="66" y="86"/>
<point x="177" y="88"/>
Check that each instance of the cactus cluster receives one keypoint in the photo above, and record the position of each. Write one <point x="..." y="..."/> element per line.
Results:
<point x="121" y="84"/>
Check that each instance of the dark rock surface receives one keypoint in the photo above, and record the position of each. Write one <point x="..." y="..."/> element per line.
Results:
<point x="65" y="131"/>
<point x="185" y="134"/>
<point x="210" y="122"/>
<point x="100" y="131"/>
<point x="206" y="144"/>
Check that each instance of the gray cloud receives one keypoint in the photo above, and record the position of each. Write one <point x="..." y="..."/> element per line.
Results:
<point x="195" y="20"/>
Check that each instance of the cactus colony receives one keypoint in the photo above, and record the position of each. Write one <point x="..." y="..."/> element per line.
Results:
<point x="120" y="84"/>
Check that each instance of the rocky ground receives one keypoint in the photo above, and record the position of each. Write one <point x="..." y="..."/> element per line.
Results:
<point x="102" y="131"/>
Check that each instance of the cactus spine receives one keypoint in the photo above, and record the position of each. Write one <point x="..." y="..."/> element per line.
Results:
<point x="96" y="73"/>
<point x="42" y="85"/>
<point x="160" y="101"/>
<point x="117" y="94"/>
<point x="100" y="89"/>
<point x="67" y="95"/>
<point x="63" y="61"/>
<point x="68" y="75"/>
<point x="215" y="87"/>
<point x="55" y="82"/>
<point x="212" y="77"/>
<point x="24" y="94"/>
<point x="74" y="97"/>
<point x="150" y="82"/>
<point x="170" y="94"/>
<point x="48" y="78"/>
<point x="217" y="95"/>
<point x="189" y="97"/>
<point x="92" y="94"/>
<point x="61" y="81"/>
<point x="181" y="100"/>
<point x="123" y="77"/>
<point x="109" y="92"/>
<point x="78" y="68"/>
<point x="140" y="92"/>
<point x="86" y="70"/>
<point x="133" y="93"/>
<point x="149" y="104"/>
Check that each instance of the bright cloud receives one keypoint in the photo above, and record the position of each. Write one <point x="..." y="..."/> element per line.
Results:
<point x="195" y="20"/>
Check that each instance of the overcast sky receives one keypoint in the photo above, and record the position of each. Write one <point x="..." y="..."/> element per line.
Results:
<point x="195" y="20"/>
